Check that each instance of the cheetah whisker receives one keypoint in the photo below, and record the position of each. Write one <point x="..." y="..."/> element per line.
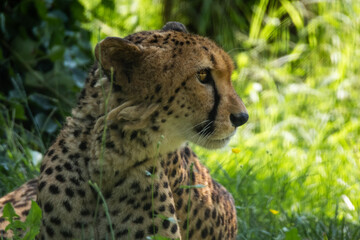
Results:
<point x="201" y="136"/>
<point x="193" y="127"/>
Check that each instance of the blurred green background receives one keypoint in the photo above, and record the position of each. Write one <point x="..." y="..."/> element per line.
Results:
<point x="293" y="169"/>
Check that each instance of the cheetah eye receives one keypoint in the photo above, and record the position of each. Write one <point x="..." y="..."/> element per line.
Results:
<point x="203" y="75"/>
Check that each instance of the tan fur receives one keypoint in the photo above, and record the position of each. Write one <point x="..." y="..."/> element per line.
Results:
<point x="132" y="143"/>
<point x="21" y="200"/>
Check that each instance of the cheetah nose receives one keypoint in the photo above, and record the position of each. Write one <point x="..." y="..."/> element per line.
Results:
<point x="239" y="119"/>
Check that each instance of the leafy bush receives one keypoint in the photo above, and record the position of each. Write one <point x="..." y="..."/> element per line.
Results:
<point x="44" y="56"/>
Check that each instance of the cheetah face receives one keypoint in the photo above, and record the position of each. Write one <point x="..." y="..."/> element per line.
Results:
<point x="222" y="111"/>
<point x="180" y="83"/>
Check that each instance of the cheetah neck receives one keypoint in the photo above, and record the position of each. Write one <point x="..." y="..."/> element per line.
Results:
<point x="116" y="140"/>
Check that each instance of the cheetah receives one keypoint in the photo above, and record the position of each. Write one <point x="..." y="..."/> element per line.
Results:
<point x="145" y="98"/>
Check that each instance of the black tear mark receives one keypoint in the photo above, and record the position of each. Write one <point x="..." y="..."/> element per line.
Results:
<point x="127" y="72"/>
<point x="212" y="114"/>
<point x="212" y="59"/>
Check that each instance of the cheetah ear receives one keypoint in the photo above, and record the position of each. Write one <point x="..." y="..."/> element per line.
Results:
<point x="114" y="52"/>
<point x="174" y="26"/>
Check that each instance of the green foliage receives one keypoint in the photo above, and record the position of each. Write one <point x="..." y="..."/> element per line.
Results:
<point x="44" y="56"/>
<point x="222" y="20"/>
<point x="28" y="229"/>
<point x="18" y="160"/>
<point x="292" y="234"/>
<point x="121" y="17"/>
<point x="298" y="153"/>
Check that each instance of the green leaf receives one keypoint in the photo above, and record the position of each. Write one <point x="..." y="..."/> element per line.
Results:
<point x="15" y="226"/>
<point x="57" y="14"/>
<point x="292" y="234"/>
<point x="294" y="14"/>
<point x="157" y="237"/>
<point x="2" y="25"/>
<point x="56" y="52"/>
<point x="34" y="79"/>
<point x="90" y="4"/>
<point x="19" y="111"/>
<point x="26" y="49"/>
<point x="34" y="216"/>
<point x="45" y="123"/>
<point x="33" y="221"/>
<point x="41" y="8"/>
<point x="43" y="101"/>
<point x="9" y="212"/>
<point x="79" y="77"/>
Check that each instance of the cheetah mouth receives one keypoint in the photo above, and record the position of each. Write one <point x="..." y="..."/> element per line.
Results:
<point x="223" y="140"/>
<point x="214" y="143"/>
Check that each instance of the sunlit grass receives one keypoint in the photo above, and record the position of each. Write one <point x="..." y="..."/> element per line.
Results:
<point x="299" y="152"/>
<point x="121" y="18"/>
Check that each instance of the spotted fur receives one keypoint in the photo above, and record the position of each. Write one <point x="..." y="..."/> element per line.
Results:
<point x="142" y="101"/>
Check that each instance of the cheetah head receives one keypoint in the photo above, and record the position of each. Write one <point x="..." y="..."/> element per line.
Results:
<point x="175" y="84"/>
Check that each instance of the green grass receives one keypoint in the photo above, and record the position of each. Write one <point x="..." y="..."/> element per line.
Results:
<point x="298" y="74"/>
<point x="18" y="160"/>
<point x="299" y="152"/>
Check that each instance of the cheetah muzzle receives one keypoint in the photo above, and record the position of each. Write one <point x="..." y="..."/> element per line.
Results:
<point x="147" y="95"/>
